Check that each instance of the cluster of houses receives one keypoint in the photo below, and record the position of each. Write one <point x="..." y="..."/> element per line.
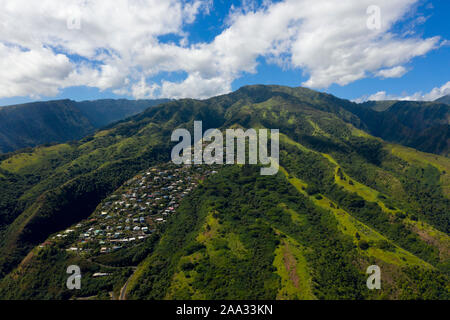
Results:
<point x="134" y="211"/>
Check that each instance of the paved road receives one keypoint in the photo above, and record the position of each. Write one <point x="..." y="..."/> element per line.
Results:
<point x="123" y="291"/>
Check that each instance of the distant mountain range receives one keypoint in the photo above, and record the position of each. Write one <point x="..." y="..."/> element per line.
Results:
<point x="31" y="124"/>
<point x="421" y="125"/>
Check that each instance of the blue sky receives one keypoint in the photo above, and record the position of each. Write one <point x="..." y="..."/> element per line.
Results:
<point x="189" y="50"/>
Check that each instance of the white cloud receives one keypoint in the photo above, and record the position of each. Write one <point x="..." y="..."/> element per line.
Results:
<point x="118" y="47"/>
<point x="395" y="72"/>
<point x="334" y="44"/>
<point x="434" y="94"/>
<point x="31" y="73"/>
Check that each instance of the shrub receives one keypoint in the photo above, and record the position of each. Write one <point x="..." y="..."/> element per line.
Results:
<point x="363" y="245"/>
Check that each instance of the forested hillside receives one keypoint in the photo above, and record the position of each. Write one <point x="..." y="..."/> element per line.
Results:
<point x="342" y="200"/>
<point x="32" y="124"/>
<point x="422" y="125"/>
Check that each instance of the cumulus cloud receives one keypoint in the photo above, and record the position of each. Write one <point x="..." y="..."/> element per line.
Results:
<point x="434" y="94"/>
<point x="395" y="72"/>
<point x="31" y="72"/>
<point x="49" y="45"/>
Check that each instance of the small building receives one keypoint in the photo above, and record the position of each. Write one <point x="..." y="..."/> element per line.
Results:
<point x="100" y="274"/>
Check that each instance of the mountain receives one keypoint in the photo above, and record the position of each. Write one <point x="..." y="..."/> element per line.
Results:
<point x="381" y="105"/>
<point x="343" y="200"/>
<point x="31" y="124"/>
<point x="422" y="125"/>
<point x="444" y="99"/>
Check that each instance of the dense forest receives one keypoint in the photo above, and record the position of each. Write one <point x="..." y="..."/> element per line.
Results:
<point x="32" y="124"/>
<point x="342" y="200"/>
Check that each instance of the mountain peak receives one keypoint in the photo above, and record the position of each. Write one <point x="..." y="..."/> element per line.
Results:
<point x="444" y="99"/>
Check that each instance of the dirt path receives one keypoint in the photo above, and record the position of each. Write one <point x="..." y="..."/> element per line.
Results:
<point x="291" y="264"/>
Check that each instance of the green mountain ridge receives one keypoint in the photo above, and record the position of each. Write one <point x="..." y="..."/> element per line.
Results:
<point x="31" y="124"/>
<point x="421" y="125"/>
<point x="342" y="200"/>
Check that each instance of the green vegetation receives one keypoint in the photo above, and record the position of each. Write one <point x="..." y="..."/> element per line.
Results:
<point x="420" y="125"/>
<point x="42" y="275"/>
<point x="292" y="268"/>
<point x="342" y="200"/>
<point x="31" y="124"/>
<point x="220" y="269"/>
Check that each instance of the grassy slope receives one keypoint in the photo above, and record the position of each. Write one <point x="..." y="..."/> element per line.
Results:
<point x="423" y="159"/>
<point x="39" y="157"/>
<point x="350" y="226"/>
<point x="292" y="267"/>
<point x="424" y="230"/>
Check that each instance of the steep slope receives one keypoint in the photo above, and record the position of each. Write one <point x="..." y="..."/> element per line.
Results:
<point x="283" y="244"/>
<point x="343" y="200"/>
<point x="277" y="226"/>
<point x="103" y="112"/>
<point x="421" y="125"/>
<point x="31" y="124"/>
<point x="444" y="99"/>
<point x="42" y="122"/>
<point x="379" y="105"/>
